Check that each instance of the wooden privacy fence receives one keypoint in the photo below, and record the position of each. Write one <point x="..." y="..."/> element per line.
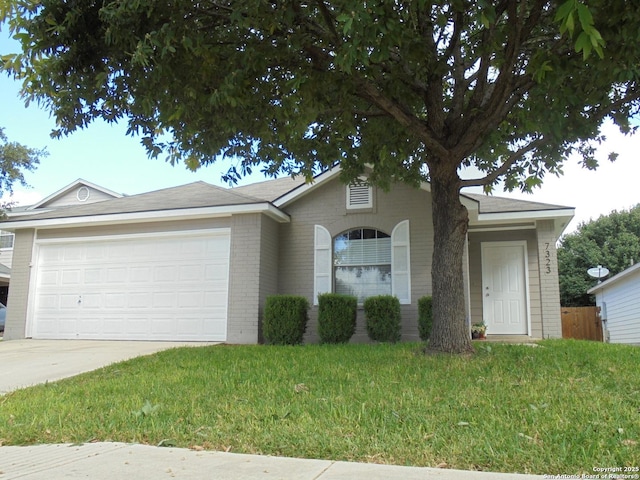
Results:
<point x="583" y="323"/>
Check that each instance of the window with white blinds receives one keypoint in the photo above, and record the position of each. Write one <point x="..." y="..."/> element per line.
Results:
<point x="364" y="262"/>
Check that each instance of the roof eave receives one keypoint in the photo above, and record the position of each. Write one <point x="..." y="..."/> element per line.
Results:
<point x="149" y="216"/>
<point x="562" y="218"/>
<point x="304" y="189"/>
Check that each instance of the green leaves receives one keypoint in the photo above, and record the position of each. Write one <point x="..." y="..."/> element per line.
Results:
<point x="589" y="39"/>
<point x="15" y="159"/>
<point x="612" y="241"/>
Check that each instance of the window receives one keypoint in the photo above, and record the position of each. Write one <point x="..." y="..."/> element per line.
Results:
<point x="6" y="239"/>
<point x="362" y="263"/>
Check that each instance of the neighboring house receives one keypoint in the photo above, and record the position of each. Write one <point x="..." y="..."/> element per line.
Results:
<point x="196" y="262"/>
<point x="619" y="302"/>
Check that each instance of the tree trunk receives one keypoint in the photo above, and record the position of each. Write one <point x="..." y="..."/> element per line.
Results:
<point x="450" y="330"/>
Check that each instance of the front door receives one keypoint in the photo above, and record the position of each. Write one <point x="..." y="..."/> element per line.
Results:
<point x="504" y="288"/>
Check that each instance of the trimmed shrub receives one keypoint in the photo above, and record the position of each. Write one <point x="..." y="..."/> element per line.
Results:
<point x="336" y="317"/>
<point x="285" y="319"/>
<point x="383" y="318"/>
<point x="425" y="317"/>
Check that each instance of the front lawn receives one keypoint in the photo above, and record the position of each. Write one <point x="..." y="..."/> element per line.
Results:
<point x="565" y="407"/>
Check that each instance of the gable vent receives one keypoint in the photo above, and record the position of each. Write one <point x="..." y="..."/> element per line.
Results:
<point x="359" y="195"/>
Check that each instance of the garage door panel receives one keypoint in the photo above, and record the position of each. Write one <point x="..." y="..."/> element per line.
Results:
<point x="139" y="300"/>
<point x="163" y="300"/>
<point x="165" y="274"/>
<point x="116" y="274"/>
<point x="92" y="301"/>
<point x="141" y="274"/>
<point x="93" y="275"/>
<point x="49" y="277"/>
<point x="69" y="302"/>
<point x="71" y="276"/>
<point x="164" y="288"/>
<point x="96" y="252"/>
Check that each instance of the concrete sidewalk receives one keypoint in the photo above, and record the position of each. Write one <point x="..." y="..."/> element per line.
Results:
<point x="112" y="461"/>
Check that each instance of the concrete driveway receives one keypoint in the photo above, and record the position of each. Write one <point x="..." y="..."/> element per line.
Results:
<point x="24" y="363"/>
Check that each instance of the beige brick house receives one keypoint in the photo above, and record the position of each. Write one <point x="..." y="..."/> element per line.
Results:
<point x="196" y="262"/>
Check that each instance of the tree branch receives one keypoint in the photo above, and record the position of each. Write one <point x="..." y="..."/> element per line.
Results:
<point x="371" y="93"/>
<point x="504" y="168"/>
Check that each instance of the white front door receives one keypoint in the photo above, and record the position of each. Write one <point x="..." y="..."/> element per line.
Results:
<point x="504" y="288"/>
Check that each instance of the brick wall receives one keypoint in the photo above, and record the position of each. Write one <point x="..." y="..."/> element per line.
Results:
<point x="253" y="274"/>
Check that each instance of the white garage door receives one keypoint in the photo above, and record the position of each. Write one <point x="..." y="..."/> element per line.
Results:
<point x="150" y="287"/>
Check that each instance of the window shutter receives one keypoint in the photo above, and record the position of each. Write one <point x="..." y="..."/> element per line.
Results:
<point x="401" y="263"/>
<point x="359" y="195"/>
<point x="322" y="262"/>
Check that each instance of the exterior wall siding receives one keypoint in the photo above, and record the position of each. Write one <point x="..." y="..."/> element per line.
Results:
<point x="326" y="206"/>
<point x="622" y="311"/>
<point x="549" y="285"/>
<point x="475" y="266"/>
<point x="19" y="290"/>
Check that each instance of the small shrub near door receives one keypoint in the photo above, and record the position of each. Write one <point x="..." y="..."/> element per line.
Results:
<point x="285" y="319"/>
<point x="383" y="318"/>
<point x="336" y="317"/>
<point x="425" y="317"/>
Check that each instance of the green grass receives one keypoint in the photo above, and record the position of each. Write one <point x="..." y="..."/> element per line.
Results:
<point x="564" y="407"/>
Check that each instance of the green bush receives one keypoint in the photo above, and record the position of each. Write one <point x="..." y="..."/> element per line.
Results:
<point x="336" y="317"/>
<point x="425" y="317"/>
<point x="383" y="318"/>
<point x="285" y="319"/>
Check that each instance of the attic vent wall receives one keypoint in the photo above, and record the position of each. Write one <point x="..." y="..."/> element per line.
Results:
<point x="359" y="195"/>
<point x="83" y="194"/>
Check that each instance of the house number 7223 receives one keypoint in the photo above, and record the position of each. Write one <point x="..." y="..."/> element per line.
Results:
<point x="547" y="258"/>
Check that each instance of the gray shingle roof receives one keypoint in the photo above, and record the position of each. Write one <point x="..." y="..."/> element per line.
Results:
<point x="192" y="195"/>
<point x="271" y="190"/>
<point x="491" y="204"/>
<point x="201" y="194"/>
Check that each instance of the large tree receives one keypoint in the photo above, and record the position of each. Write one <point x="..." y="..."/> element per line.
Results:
<point x="612" y="241"/>
<point x="414" y="89"/>
<point x="15" y="160"/>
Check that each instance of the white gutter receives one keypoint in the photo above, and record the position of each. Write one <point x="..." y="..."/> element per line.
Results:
<point x="525" y="215"/>
<point x="149" y="216"/>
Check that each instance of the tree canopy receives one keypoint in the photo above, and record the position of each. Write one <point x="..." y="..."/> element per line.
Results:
<point x="612" y="241"/>
<point x="15" y="159"/>
<point x="412" y="89"/>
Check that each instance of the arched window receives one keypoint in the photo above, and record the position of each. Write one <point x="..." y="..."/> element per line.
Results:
<point x="362" y="263"/>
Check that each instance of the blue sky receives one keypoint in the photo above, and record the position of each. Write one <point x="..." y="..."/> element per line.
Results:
<point x="105" y="155"/>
